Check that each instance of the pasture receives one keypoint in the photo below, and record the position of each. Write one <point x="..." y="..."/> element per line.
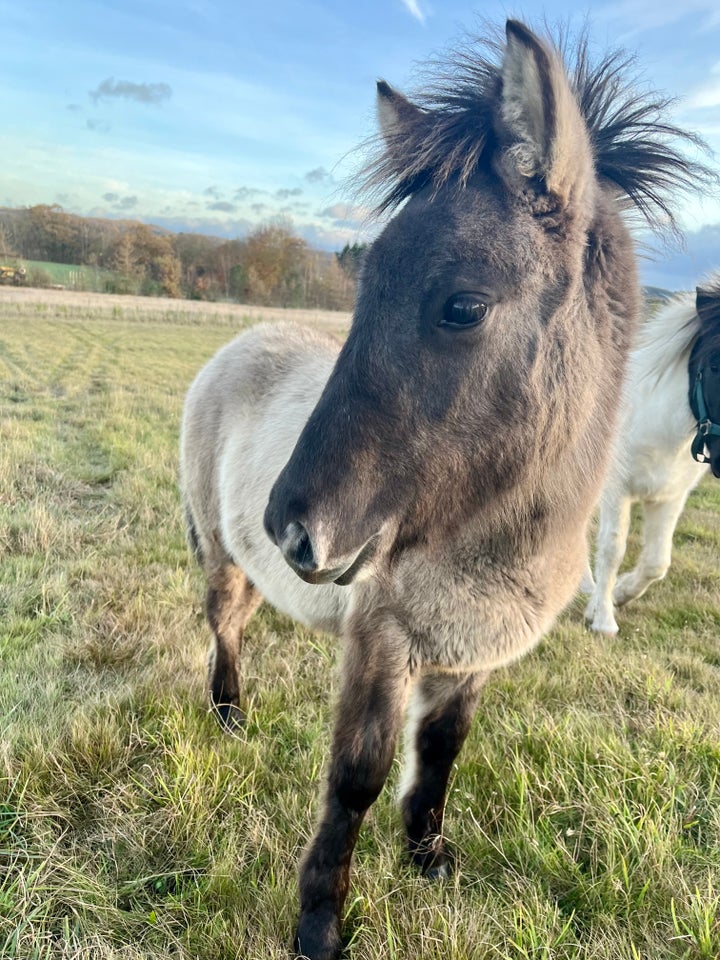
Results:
<point x="69" y="275"/>
<point x="585" y="807"/>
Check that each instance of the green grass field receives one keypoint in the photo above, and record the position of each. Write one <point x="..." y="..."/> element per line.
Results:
<point x="585" y="806"/>
<point x="69" y="275"/>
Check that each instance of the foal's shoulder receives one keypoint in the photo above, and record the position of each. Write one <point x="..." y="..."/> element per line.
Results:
<point x="255" y="365"/>
<point x="283" y="336"/>
<point x="274" y="347"/>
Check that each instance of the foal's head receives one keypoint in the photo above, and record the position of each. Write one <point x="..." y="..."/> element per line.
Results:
<point x="481" y="339"/>
<point x="706" y="358"/>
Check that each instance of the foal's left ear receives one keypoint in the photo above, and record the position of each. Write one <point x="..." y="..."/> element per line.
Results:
<point x="399" y="119"/>
<point x="545" y="137"/>
<point x="404" y="128"/>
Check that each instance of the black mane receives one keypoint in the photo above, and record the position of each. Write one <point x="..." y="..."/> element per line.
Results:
<point x="635" y="146"/>
<point x="708" y="305"/>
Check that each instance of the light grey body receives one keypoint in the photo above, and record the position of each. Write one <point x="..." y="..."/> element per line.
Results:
<point x="243" y="415"/>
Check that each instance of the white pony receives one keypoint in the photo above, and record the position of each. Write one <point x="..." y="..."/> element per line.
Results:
<point x="652" y="462"/>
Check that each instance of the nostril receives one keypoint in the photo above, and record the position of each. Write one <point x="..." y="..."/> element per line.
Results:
<point x="304" y="551"/>
<point x="297" y="547"/>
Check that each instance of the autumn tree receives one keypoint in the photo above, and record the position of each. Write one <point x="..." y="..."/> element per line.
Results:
<point x="275" y="264"/>
<point x="329" y="287"/>
<point x="196" y="253"/>
<point x="146" y="259"/>
<point x="351" y="259"/>
<point x="53" y="234"/>
<point x="6" y="250"/>
<point x="230" y="260"/>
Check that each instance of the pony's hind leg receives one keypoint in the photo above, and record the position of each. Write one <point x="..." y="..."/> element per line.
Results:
<point x="661" y="518"/>
<point x="438" y="720"/>
<point x="231" y="600"/>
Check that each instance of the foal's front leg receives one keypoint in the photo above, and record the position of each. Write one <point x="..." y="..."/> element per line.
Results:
<point x="368" y="720"/>
<point x="439" y="716"/>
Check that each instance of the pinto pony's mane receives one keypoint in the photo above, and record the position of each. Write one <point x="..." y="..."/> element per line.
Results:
<point x="635" y="146"/>
<point x="709" y="293"/>
<point x="665" y="339"/>
<point x="708" y="303"/>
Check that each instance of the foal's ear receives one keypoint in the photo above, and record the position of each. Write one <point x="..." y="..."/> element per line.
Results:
<point x="398" y="117"/>
<point x="540" y="123"/>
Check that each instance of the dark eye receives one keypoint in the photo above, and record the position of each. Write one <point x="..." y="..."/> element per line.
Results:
<point x="463" y="310"/>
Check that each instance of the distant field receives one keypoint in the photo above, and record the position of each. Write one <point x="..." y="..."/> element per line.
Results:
<point x="69" y="275"/>
<point x="24" y="303"/>
<point x="585" y="806"/>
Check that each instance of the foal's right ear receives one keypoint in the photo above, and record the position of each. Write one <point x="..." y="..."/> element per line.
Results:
<point x="398" y="117"/>
<point x="545" y="136"/>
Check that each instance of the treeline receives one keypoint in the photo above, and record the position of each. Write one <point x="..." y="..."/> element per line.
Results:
<point x="272" y="266"/>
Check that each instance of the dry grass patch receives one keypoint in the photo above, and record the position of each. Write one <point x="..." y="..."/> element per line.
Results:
<point x="584" y="808"/>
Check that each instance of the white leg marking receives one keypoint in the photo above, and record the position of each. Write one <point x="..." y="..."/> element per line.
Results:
<point x="416" y="712"/>
<point x="611" y="542"/>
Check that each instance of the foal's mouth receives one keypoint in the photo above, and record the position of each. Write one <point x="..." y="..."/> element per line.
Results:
<point x="361" y="560"/>
<point x="343" y="574"/>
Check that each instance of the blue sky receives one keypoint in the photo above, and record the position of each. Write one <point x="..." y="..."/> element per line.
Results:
<point x="215" y="115"/>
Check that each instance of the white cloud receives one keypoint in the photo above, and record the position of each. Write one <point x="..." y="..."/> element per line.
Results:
<point x="412" y="7"/>
<point x="140" y="92"/>
<point x="346" y="212"/>
<point x="333" y="238"/>
<point x="644" y="15"/>
<point x="707" y="94"/>
<point x="681" y="267"/>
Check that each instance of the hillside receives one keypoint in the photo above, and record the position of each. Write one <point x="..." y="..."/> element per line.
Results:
<point x="270" y="267"/>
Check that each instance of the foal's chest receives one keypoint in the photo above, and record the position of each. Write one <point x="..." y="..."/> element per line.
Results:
<point x="481" y="618"/>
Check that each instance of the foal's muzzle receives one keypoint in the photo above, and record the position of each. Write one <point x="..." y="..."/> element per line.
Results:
<point x="303" y="556"/>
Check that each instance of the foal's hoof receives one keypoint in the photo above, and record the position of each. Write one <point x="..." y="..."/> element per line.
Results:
<point x="605" y="625"/>
<point x="229" y="716"/>
<point x="318" y="936"/>
<point x="439" y="871"/>
<point x="600" y="620"/>
<point x="434" y="860"/>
